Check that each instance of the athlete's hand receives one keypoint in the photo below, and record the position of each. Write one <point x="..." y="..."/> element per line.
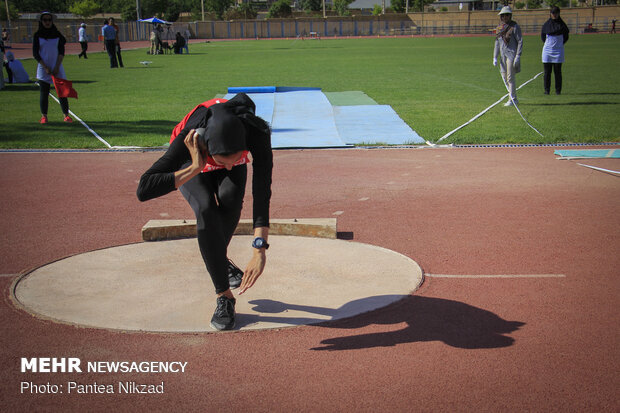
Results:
<point x="253" y="270"/>
<point x="494" y="61"/>
<point x="191" y="142"/>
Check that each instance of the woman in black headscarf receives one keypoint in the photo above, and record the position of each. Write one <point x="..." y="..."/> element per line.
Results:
<point x="206" y="161"/>
<point x="554" y="34"/>
<point x="48" y="48"/>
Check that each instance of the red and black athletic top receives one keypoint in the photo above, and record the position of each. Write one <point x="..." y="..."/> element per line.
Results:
<point x="158" y="180"/>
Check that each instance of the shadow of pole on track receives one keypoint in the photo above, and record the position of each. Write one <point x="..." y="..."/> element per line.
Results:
<point x="428" y="319"/>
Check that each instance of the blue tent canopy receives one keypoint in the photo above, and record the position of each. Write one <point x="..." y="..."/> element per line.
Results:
<point x="154" y="20"/>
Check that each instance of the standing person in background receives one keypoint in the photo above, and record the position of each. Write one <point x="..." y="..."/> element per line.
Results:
<point x="186" y="36"/>
<point x="508" y="47"/>
<point x="83" y="40"/>
<point x="158" y="43"/>
<point x="554" y="34"/>
<point x="117" y="43"/>
<point x="613" y="27"/>
<point x="6" y="38"/>
<point x="48" y="48"/>
<point x="109" y="38"/>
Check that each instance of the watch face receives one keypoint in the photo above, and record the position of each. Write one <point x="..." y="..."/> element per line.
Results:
<point x="259" y="243"/>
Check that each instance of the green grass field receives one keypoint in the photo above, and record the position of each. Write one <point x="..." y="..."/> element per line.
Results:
<point x="434" y="84"/>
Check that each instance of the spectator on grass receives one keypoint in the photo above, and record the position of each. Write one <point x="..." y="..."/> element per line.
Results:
<point x="554" y="34"/>
<point x="117" y="42"/>
<point x="206" y="161"/>
<point x="15" y="69"/>
<point x="83" y="40"/>
<point x="613" y="27"/>
<point x="156" y="44"/>
<point x="507" y="50"/>
<point x="48" y="48"/>
<point x="186" y="35"/>
<point x="6" y="38"/>
<point x="178" y="44"/>
<point x="109" y="38"/>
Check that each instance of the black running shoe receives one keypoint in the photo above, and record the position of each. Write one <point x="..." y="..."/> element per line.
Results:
<point x="224" y="316"/>
<point x="235" y="275"/>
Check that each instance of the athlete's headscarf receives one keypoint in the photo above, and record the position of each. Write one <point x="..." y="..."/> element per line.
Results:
<point x="48" y="33"/>
<point x="229" y="124"/>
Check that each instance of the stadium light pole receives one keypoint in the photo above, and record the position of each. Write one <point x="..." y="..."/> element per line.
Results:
<point x="324" y="9"/>
<point x="202" y="5"/>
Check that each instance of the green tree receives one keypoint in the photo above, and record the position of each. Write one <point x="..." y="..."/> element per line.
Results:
<point x="281" y="8"/>
<point x="559" y="3"/>
<point x="342" y="7"/>
<point x="129" y="13"/>
<point x="218" y="7"/>
<point x="243" y="11"/>
<point x="399" y="6"/>
<point x="418" y="5"/>
<point x="312" y="5"/>
<point x="534" y="4"/>
<point x="84" y="8"/>
<point x="13" y="12"/>
<point x="377" y="10"/>
<point x="37" y="6"/>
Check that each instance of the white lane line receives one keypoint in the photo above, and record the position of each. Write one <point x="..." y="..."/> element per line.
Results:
<point x="7" y="275"/>
<point x="601" y="169"/>
<point x="495" y="276"/>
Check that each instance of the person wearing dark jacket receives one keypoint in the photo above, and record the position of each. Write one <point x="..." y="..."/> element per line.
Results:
<point x="554" y="35"/>
<point x="206" y="161"/>
<point x="179" y="44"/>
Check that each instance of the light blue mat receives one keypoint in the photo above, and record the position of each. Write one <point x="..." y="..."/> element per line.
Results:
<point x="305" y="118"/>
<point x="371" y="124"/>
<point x="588" y="153"/>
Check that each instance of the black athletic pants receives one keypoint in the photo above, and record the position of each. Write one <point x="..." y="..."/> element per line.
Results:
<point x="119" y="58"/>
<point x="44" y="98"/>
<point x="557" y="69"/>
<point x="84" y="49"/>
<point x="216" y="198"/>
<point x="110" y="46"/>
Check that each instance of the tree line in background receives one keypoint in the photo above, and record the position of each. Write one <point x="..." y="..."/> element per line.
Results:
<point x="170" y="10"/>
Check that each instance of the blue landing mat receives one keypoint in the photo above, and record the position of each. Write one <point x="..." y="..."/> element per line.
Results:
<point x="304" y="118"/>
<point x="371" y="124"/>
<point x="588" y="153"/>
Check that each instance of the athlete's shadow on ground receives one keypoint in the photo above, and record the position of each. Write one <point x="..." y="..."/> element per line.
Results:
<point x="427" y="319"/>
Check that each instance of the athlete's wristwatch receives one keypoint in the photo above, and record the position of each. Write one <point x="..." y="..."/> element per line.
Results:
<point x="259" y="243"/>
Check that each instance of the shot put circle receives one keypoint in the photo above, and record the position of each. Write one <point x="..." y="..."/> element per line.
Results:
<point x="164" y="286"/>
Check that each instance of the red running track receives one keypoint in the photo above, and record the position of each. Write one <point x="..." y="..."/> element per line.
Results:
<point x="509" y="344"/>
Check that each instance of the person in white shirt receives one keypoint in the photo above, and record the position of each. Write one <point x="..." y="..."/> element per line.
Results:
<point x="83" y="40"/>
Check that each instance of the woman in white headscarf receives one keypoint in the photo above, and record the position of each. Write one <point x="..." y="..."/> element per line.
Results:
<point x="508" y="48"/>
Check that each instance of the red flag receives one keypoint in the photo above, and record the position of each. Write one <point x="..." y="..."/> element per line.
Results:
<point x="64" y="88"/>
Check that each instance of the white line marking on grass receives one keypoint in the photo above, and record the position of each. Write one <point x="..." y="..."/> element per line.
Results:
<point x="85" y="125"/>
<point x="495" y="276"/>
<point x="483" y="112"/>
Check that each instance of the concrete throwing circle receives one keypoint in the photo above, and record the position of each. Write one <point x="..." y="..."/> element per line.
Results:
<point x="164" y="286"/>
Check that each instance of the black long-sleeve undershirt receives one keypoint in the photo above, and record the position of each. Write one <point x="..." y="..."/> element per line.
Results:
<point x="159" y="180"/>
